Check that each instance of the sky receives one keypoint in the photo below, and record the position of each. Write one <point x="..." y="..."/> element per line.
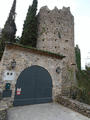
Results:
<point x="79" y="8"/>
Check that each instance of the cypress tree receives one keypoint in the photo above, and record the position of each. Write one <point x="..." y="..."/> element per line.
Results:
<point x="78" y="57"/>
<point x="29" y="34"/>
<point x="9" y="30"/>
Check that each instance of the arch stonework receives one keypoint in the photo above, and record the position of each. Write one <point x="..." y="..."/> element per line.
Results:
<point x="25" y="58"/>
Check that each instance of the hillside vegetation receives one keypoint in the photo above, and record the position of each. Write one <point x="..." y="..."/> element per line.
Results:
<point x="83" y="80"/>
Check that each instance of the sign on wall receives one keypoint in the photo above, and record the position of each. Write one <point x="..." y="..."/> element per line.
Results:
<point x="18" y="92"/>
<point x="9" y="75"/>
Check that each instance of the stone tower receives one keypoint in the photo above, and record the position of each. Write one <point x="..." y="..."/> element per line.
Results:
<point x="56" y="34"/>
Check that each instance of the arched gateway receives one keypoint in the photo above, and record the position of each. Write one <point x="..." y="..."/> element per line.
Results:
<point x="34" y="85"/>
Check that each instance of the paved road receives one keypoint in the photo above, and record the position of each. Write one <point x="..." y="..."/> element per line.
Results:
<point x="50" y="111"/>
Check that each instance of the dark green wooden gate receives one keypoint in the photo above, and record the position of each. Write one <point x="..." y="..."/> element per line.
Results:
<point x="33" y="86"/>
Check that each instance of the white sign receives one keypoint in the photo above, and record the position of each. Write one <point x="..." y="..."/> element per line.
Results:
<point x="18" y="92"/>
<point x="9" y="75"/>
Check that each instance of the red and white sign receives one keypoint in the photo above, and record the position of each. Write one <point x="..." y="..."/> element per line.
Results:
<point x="18" y="92"/>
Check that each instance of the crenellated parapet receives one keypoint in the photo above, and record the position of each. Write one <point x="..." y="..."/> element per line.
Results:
<point x="56" y="34"/>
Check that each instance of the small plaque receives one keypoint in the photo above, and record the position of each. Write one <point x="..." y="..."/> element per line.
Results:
<point x="9" y="75"/>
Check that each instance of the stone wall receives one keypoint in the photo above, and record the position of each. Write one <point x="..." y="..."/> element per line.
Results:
<point x="56" y="34"/>
<point x="3" y="110"/>
<point x="75" y="105"/>
<point x="3" y="114"/>
<point x="25" y="58"/>
<point x="56" y="31"/>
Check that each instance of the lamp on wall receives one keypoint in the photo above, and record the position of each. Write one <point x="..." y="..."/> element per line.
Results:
<point x="13" y="64"/>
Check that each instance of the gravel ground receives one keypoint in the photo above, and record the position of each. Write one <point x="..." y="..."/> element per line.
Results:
<point x="49" y="111"/>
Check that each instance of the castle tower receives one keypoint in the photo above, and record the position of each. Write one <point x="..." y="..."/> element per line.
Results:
<point x="56" y="34"/>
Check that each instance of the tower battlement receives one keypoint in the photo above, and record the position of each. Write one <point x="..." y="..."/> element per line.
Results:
<point x="56" y="34"/>
<point x="56" y="31"/>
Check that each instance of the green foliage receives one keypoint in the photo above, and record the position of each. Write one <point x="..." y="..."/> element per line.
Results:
<point x="83" y="78"/>
<point x="29" y="34"/>
<point x="1" y="53"/>
<point x="87" y="69"/>
<point x="78" y="57"/>
<point x="39" y="50"/>
<point x="17" y="39"/>
<point x="9" y="30"/>
<point x="80" y="93"/>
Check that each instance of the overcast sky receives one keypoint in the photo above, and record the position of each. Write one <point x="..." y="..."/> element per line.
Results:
<point x="79" y="8"/>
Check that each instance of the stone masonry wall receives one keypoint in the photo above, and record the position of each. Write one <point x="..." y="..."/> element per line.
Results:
<point x="74" y="105"/>
<point x="3" y="114"/>
<point x="56" y="34"/>
<point x="24" y="58"/>
<point x="56" y="31"/>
